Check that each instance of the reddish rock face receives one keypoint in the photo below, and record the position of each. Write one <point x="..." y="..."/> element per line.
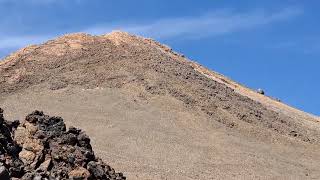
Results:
<point x="42" y="148"/>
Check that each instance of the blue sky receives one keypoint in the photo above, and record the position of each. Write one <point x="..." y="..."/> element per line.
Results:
<point x="271" y="44"/>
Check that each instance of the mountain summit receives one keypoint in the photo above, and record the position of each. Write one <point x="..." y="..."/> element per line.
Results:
<point x="154" y="114"/>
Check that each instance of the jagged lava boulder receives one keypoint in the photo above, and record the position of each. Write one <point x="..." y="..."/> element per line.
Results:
<point x="41" y="148"/>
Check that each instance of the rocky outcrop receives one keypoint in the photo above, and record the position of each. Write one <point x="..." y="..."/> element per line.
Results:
<point x="41" y="148"/>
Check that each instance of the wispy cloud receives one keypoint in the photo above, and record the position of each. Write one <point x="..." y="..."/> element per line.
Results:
<point x="308" y="45"/>
<point x="211" y="24"/>
<point x="206" y="25"/>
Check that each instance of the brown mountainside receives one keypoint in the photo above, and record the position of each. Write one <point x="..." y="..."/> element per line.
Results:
<point x="158" y="115"/>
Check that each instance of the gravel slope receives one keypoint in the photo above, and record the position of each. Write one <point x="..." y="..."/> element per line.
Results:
<point x="153" y="114"/>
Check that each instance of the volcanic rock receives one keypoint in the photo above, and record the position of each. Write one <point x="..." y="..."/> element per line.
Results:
<point x="41" y="148"/>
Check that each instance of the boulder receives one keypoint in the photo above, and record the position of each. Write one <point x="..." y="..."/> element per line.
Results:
<point x="41" y="148"/>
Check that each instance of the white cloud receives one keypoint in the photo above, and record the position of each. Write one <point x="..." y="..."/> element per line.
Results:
<point x="211" y="24"/>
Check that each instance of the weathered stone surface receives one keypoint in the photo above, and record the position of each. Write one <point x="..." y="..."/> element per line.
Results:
<point x="20" y="135"/>
<point x="96" y="169"/>
<point x="42" y="148"/>
<point x="79" y="173"/>
<point x="27" y="157"/>
<point x="32" y="129"/>
<point x="45" y="165"/>
<point x="33" y="145"/>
